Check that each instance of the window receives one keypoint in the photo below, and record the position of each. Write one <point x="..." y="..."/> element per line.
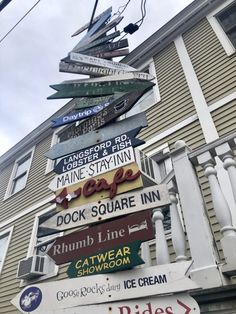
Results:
<point x="5" y="237"/>
<point x="223" y="22"/>
<point x="19" y="174"/>
<point x="40" y="242"/>
<point x="227" y="20"/>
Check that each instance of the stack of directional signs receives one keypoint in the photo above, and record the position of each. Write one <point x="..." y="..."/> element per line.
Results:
<point x="95" y="178"/>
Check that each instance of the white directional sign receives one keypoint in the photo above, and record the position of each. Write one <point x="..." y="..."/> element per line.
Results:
<point x="92" y="169"/>
<point x="127" y="203"/>
<point x="119" y="77"/>
<point x="78" y="57"/>
<point x="179" y="303"/>
<point x="131" y="284"/>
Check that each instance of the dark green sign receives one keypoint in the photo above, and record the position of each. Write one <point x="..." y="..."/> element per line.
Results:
<point x="120" y="258"/>
<point x="103" y="88"/>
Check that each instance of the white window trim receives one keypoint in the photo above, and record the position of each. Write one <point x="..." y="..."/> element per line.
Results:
<point x="8" y="193"/>
<point x="7" y="231"/>
<point x="33" y="243"/>
<point x="50" y="162"/>
<point x="220" y="33"/>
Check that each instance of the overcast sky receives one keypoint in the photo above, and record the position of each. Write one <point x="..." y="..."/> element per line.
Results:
<point x="30" y="54"/>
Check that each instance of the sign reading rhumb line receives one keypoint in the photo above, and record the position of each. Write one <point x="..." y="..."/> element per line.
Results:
<point x="102" y="237"/>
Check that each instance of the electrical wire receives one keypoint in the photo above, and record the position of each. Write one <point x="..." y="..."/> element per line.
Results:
<point x="19" y="21"/>
<point x="118" y="12"/>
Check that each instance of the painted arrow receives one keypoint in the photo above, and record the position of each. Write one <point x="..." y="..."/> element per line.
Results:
<point x="74" y="144"/>
<point x="114" y="110"/>
<point x="185" y="306"/>
<point x="98" y="88"/>
<point x="116" y="259"/>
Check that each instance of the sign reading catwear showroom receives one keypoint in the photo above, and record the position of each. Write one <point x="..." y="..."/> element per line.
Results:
<point x="131" y="284"/>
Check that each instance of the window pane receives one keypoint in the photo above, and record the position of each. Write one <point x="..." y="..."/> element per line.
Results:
<point x="19" y="183"/>
<point x="3" y="243"/>
<point x="23" y="166"/>
<point x="227" y="19"/>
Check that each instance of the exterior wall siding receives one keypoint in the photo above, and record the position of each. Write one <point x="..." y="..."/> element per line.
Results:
<point x="214" y="69"/>
<point x="36" y="186"/>
<point x="176" y="102"/>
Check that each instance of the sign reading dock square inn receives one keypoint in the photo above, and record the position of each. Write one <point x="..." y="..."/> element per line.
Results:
<point x="130" y="284"/>
<point x="126" y="203"/>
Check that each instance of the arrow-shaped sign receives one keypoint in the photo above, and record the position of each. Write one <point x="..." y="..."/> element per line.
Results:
<point x="83" y="28"/>
<point x="96" y="25"/>
<point x="78" y="57"/>
<point x="99" y="41"/>
<point x="134" y="123"/>
<point x="96" y="152"/>
<point x="98" y="34"/>
<point x="114" y="110"/>
<point x="79" y="115"/>
<point x="92" y="169"/>
<point x="59" y="296"/>
<point x="103" y="88"/>
<point x="106" y="47"/>
<point x="116" y="259"/>
<point x="126" y="203"/>
<point x="102" y="237"/>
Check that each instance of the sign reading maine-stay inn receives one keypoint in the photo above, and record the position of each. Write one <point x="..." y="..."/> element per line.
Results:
<point x="103" y="236"/>
<point x="92" y="169"/>
<point x="119" y="258"/>
<point x="126" y="203"/>
<point x="130" y="284"/>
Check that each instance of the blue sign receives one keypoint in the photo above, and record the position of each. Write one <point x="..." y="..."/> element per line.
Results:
<point x="95" y="152"/>
<point x="80" y="114"/>
<point x="30" y="299"/>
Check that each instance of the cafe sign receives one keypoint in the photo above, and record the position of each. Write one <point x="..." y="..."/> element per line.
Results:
<point x="109" y="184"/>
